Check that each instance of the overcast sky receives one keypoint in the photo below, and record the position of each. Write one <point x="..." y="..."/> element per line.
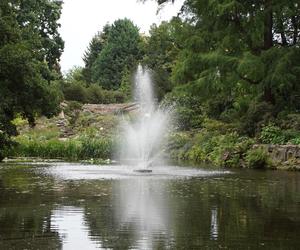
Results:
<point x="81" y="19"/>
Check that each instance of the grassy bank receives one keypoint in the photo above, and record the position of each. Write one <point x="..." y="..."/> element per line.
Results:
<point x="90" y="136"/>
<point x="71" y="149"/>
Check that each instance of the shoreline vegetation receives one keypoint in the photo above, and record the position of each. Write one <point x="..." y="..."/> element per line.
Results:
<point x="92" y="139"/>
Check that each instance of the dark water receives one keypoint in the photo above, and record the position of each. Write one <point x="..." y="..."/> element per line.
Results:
<point x="93" y="207"/>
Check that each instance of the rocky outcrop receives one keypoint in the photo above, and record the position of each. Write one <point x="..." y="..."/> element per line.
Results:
<point x="281" y="153"/>
<point x="105" y="109"/>
<point x="65" y="131"/>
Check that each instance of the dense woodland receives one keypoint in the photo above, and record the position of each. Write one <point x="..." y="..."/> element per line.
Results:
<point x="231" y="67"/>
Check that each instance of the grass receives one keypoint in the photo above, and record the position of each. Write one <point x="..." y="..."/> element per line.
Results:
<point x="72" y="149"/>
<point x="93" y="138"/>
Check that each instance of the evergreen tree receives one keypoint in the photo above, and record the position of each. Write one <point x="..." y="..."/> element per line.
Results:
<point x="250" y="46"/>
<point x="95" y="47"/>
<point x="121" y="51"/>
<point x="239" y="57"/>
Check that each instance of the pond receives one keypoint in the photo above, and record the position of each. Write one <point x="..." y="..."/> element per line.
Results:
<point x="73" y="206"/>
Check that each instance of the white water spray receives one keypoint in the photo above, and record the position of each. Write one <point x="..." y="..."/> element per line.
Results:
<point x="143" y="137"/>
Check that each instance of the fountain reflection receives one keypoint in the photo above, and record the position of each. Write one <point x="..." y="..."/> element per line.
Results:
<point x="142" y="205"/>
<point x="214" y="224"/>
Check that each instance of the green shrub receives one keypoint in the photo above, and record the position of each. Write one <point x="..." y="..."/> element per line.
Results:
<point x="289" y="121"/>
<point x="216" y="143"/>
<point x="272" y="134"/>
<point x="75" y="92"/>
<point x="187" y="110"/>
<point x="94" y="94"/>
<point x="72" y="106"/>
<point x="108" y="97"/>
<point x="119" y="96"/>
<point x="178" y="140"/>
<point x="295" y="140"/>
<point x="257" y="158"/>
<point x="275" y="135"/>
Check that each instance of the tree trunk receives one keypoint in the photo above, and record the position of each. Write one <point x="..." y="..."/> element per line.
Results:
<point x="268" y="25"/>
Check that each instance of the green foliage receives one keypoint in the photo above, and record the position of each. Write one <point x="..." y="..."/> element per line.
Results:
<point x="257" y="158"/>
<point x="256" y="114"/>
<point x="75" y="88"/>
<point x="5" y="143"/>
<point x="215" y="143"/>
<point x="75" y="92"/>
<point x="187" y="110"/>
<point x="273" y="134"/>
<point x="95" y="47"/>
<point x="121" y="51"/>
<point x="73" y="149"/>
<point x="161" y="50"/>
<point x="242" y="66"/>
<point x="288" y="120"/>
<point x="126" y="83"/>
<point x="178" y="145"/>
<point x="30" y="47"/>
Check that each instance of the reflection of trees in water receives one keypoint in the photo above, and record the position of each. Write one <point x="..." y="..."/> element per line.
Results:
<point x="25" y="211"/>
<point x="232" y="211"/>
<point x="239" y="210"/>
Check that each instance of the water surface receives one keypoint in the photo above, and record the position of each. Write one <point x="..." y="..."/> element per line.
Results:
<point x="73" y="206"/>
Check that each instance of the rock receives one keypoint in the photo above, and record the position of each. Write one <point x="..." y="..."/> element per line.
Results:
<point x="287" y="155"/>
<point x="110" y="108"/>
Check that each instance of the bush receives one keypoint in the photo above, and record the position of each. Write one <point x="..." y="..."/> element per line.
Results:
<point x="216" y="143"/>
<point x="257" y="114"/>
<point x="94" y="94"/>
<point x="257" y="158"/>
<point x="75" y="92"/>
<point x="289" y="121"/>
<point x="187" y="110"/>
<point x="272" y="134"/>
<point x="108" y="97"/>
<point x="275" y="135"/>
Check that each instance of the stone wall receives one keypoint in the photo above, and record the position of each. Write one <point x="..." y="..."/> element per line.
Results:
<point x="282" y="153"/>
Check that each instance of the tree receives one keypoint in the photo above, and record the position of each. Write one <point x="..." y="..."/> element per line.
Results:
<point x="121" y="51"/>
<point x="246" y="57"/>
<point x="29" y="50"/>
<point x="39" y="19"/>
<point x="95" y="47"/>
<point x="161" y="52"/>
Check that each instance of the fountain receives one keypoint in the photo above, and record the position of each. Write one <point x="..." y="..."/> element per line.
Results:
<point x="144" y="135"/>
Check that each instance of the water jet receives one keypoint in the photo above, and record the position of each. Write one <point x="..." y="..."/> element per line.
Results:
<point x="144" y="135"/>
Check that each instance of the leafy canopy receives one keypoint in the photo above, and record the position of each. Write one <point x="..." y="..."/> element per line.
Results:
<point x="116" y="50"/>
<point x="30" y="48"/>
